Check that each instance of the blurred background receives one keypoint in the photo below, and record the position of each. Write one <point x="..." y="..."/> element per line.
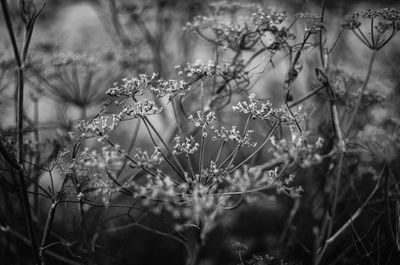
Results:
<point x="98" y="42"/>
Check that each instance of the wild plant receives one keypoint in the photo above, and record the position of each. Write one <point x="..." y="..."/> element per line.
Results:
<point x="224" y="142"/>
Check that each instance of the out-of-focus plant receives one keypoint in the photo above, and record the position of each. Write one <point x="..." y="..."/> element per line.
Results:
<point x="230" y="145"/>
<point x="75" y="80"/>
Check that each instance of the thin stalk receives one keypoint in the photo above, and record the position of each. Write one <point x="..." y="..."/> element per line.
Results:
<point x="271" y="132"/>
<point x="84" y="228"/>
<point x="20" y="107"/>
<point x="10" y="29"/>
<point x="36" y="172"/>
<point x="361" y="92"/>
<point x="47" y="229"/>
<point x="305" y="97"/>
<point x="321" y="44"/>
<point x="203" y="130"/>
<point x="131" y="145"/>
<point x="190" y="165"/>
<point x="202" y="148"/>
<point x="350" y="221"/>
<point x="131" y="160"/>
<point x="147" y="121"/>
<point x="22" y="238"/>
<point x="361" y="39"/>
<point x="365" y="38"/>
<point x="241" y="143"/>
<point x="336" y="41"/>
<point x="372" y="33"/>
<point x="219" y="151"/>
<point x="336" y="195"/>
<point x="380" y="45"/>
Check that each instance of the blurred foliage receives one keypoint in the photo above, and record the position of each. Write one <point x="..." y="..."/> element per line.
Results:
<point x="132" y="103"/>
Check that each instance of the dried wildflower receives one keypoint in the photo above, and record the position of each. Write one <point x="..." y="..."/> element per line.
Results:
<point x="108" y="158"/>
<point x="170" y="87"/>
<point x="379" y="22"/>
<point x="352" y="21"/>
<point x="312" y="22"/>
<point x="99" y="126"/>
<point x="298" y="150"/>
<point x="264" y="111"/>
<point x="242" y="35"/>
<point x="203" y="120"/>
<point x="142" y="109"/>
<point x="289" y="118"/>
<point x="198" y="69"/>
<point x="143" y="159"/>
<point x="187" y="146"/>
<point x="268" y="19"/>
<point x="193" y="202"/>
<point x="234" y="136"/>
<point x="74" y="79"/>
<point x="255" y="108"/>
<point x="131" y="87"/>
<point x="247" y="179"/>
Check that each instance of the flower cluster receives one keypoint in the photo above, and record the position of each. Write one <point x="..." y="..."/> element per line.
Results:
<point x="169" y="87"/>
<point x="193" y="201"/>
<point x="264" y="111"/>
<point x="107" y="158"/>
<point x="234" y="136"/>
<point x="203" y="120"/>
<point x="90" y="169"/>
<point x="380" y="22"/>
<point x="76" y="79"/>
<point x="142" y="109"/>
<point x="299" y="151"/>
<point x="313" y="22"/>
<point x="352" y="21"/>
<point x="255" y="108"/>
<point x="99" y="126"/>
<point x="143" y="159"/>
<point x="243" y="35"/>
<point x="187" y="146"/>
<point x="245" y="179"/>
<point x="253" y="179"/>
<point x="387" y="15"/>
<point x="131" y="86"/>
<point x="268" y="18"/>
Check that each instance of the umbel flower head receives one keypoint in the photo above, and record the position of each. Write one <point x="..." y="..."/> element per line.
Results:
<point x="374" y="28"/>
<point x="75" y="79"/>
<point x="243" y="34"/>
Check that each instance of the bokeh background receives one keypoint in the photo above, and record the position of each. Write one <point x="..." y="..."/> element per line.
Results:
<point x="114" y="39"/>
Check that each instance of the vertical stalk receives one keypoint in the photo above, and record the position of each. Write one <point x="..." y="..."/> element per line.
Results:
<point x="20" y="143"/>
<point x="20" y="60"/>
<point x="47" y="229"/>
<point x="36" y="173"/>
<point x="361" y="92"/>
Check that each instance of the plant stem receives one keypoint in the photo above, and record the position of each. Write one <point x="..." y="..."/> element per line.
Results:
<point x="20" y="107"/>
<point x="350" y="221"/>
<point x="361" y="92"/>
<point x="47" y="229"/>
<point x="258" y="149"/>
